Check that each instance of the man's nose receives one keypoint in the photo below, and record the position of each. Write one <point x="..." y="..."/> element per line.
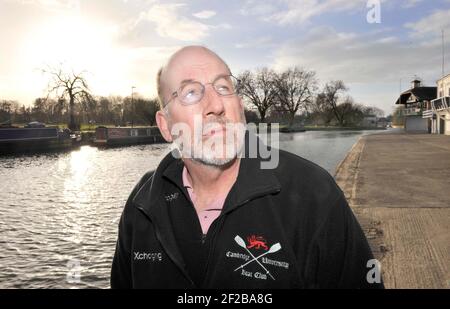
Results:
<point x="213" y="102"/>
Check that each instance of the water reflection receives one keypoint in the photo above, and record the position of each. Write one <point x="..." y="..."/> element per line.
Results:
<point x="65" y="207"/>
<point x="326" y="148"/>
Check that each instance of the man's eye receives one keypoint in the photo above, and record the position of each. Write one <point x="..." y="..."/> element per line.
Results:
<point x="187" y="93"/>
<point x="190" y="93"/>
<point x="223" y="89"/>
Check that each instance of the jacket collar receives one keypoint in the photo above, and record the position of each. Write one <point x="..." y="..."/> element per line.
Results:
<point x="252" y="182"/>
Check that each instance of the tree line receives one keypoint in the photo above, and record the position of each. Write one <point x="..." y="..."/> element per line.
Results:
<point x="69" y="100"/>
<point x="294" y="93"/>
<point x="112" y="110"/>
<point x="288" y="97"/>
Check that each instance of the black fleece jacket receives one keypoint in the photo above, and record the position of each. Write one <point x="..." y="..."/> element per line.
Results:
<point x="288" y="227"/>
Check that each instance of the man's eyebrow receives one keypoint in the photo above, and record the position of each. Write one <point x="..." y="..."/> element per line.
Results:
<point x="221" y="75"/>
<point x="190" y="80"/>
<point x="185" y="81"/>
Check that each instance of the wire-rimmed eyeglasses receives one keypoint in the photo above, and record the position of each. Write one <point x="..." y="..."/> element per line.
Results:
<point x="191" y="91"/>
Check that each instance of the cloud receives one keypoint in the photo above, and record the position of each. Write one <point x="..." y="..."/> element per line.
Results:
<point x="225" y="26"/>
<point x="204" y="14"/>
<point x="144" y="63"/>
<point x="357" y="58"/>
<point x="388" y="40"/>
<point x="171" y="24"/>
<point x="258" y="42"/>
<point x="431" y="25"/>
<point x="164" y="22"/>
<point x="411" y="3"/>
<point x="362" y="61"/>
<point x="298" y="11"/>
<point x="257" y="8"/>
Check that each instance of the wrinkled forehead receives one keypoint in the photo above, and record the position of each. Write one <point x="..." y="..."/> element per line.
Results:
<point x="193" y="64"/>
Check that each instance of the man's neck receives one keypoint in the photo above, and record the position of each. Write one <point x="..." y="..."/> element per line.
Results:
<point x="209" y="180"/>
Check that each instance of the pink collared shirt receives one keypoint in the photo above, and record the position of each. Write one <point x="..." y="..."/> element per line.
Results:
<point x="211" y="212"/>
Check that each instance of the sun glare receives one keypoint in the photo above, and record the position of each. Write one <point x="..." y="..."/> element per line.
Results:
<point x="78" y="44"/>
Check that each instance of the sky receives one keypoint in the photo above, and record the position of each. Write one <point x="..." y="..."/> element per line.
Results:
<point x="375" y="47"/>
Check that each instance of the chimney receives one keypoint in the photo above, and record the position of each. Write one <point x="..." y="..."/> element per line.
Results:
<point x="415" y="83"/>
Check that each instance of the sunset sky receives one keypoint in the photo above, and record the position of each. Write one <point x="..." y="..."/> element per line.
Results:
<point x="122" y="43"/>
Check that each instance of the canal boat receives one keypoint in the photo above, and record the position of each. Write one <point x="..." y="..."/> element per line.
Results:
<point x="124" y="136"/>
<point x="33" y="139"/>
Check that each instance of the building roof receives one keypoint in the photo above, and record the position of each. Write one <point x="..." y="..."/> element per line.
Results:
<point x="442" y="78"/>
<point x="421" y="94"/>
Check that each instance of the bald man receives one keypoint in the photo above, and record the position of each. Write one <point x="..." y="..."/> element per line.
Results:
<point x="210" y="217"/>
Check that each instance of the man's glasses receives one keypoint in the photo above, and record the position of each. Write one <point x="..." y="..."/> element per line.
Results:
<point x="192" y="92"/>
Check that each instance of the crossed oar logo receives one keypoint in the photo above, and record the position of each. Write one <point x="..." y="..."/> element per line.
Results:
<point x="274" y="248"/>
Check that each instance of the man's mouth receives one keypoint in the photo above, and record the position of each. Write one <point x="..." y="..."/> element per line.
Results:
<point x="216" y="130"/>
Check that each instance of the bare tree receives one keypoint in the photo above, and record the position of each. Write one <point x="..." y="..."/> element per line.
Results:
<point x="331" y="95"/>
<point x="5" y="110"/>
<point x="352" y="112"/>
<point x="373" y="110"/>
<point x="259" y="89"/>
<point x="295" y="90"/>
<point x="59" y="108"/>
<point x="71" y="86"/>
<point x="41" y="109"/>
<point x="320" y="110"/>
<point x="89" y="108"/>
<point x="145" y="110"/>
<point x="25" y="113"/>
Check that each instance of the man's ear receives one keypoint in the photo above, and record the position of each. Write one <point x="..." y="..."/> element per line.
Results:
<point x="242" y="107"/>
<point x="162" y="121"/>
<point x="241" y="103"/>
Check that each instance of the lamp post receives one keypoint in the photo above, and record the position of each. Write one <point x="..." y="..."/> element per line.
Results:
<point x="132" y="106"/>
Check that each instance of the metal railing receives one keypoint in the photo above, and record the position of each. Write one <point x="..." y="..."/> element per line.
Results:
<point x="441" y="104"/>
<point x="428" y="113"/>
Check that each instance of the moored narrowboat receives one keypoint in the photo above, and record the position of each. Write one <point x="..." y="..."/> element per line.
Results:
<point x="33" y="139"/>
<point x="127" y="136"/>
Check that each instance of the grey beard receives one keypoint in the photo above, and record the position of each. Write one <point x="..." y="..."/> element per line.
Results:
<point x="209" y="159"/>
<point x="218" y="162"/>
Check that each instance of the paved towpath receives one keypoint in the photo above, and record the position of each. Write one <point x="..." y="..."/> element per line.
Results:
<point x="398" y="185"/>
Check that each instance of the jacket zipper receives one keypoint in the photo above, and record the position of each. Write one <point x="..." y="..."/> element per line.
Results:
<point x="158" y="236"/>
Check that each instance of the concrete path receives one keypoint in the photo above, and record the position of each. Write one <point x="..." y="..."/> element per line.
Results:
<point x="398" y="185"/>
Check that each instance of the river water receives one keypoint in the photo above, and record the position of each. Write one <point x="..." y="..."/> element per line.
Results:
<point x="59" y="212"/>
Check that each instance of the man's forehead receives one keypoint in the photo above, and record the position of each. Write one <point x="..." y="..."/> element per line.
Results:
<point x="198" y="72"/>
<point x="194" y="54"/>
<point x="192" y="64"/>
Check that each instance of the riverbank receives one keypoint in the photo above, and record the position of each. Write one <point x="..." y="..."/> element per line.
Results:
<point x="343" y="129"/>
<point x="287" y="129"/>
<point x="397" y="186"/>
